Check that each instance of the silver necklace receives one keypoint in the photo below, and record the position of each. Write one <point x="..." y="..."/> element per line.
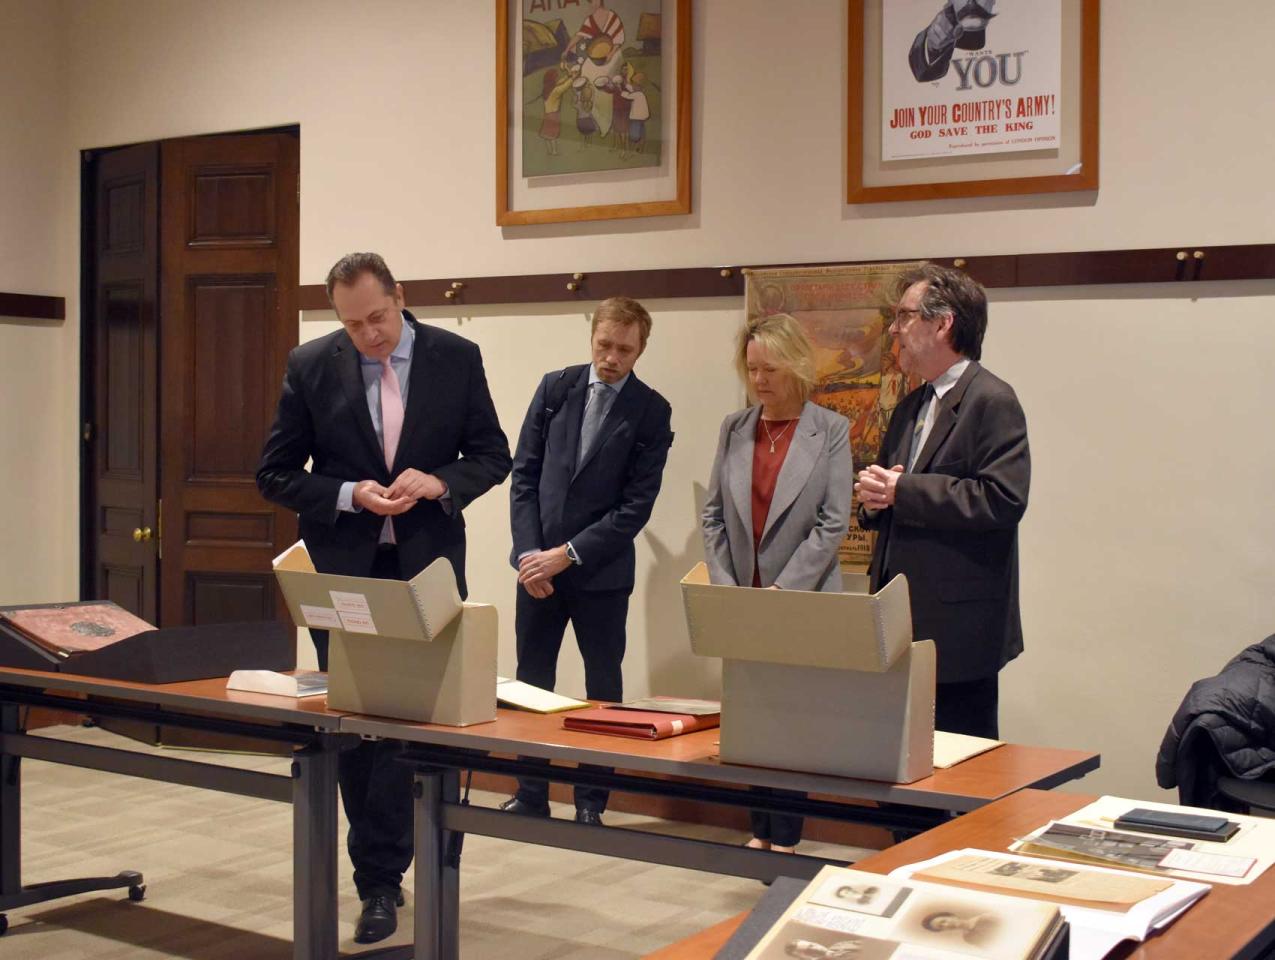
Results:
<point x="778" y="436"/>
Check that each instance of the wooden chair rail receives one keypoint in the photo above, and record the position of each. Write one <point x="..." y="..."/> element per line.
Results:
<point x="28" y="306"/>
<point x="1255" y="261"/>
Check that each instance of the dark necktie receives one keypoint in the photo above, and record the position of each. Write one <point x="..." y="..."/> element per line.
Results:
<point x="595" y="411"/>
<point x="918" y="429"/>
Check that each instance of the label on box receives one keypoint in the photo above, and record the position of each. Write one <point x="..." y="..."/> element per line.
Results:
<point x="357" y="623"/>
<point x="350" y="602"/>
<point x="324" y="617"/>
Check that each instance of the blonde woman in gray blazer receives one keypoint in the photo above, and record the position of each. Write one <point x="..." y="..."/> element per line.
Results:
<point x="779" y="495"/>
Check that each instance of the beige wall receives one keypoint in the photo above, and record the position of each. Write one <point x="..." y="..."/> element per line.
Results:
<point x="39" y="360"/>
<point x="1146" y="548"/>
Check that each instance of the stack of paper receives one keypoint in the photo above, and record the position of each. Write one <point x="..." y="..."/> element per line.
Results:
<point x="515" y="693"/>
<point x="1089" y="836"/>
<point x="300" y="683"/>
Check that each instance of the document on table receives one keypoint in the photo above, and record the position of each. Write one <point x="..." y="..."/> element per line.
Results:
<point x="1089" y="835"/>
<point x="1095" y="929"/>
<point x="515" y="693"/>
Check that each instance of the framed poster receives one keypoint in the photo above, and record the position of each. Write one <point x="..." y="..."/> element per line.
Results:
<point x="846" y="313"/>
<point x="593" y="109"/>
<point x="971" y="98"/>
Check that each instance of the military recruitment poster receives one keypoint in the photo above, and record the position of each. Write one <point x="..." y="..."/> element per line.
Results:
<point x="969" y="77"/>
<point x="845" y="311"/>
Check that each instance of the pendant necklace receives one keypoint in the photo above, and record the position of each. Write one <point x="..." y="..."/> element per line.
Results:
<point x="778" y="436"/>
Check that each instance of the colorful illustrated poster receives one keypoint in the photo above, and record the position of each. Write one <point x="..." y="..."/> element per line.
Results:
<point x="591" y="85"/>
<point x="967" y="77"/>
<point x="845" y="311"/>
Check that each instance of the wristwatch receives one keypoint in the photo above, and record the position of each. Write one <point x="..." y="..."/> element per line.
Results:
<point x="572" y="555"/>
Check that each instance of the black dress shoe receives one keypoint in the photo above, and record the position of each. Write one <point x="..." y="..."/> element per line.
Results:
<point x="379" y="918"/>
<point x="514" y="805"/>
<point x="591" y="817"/>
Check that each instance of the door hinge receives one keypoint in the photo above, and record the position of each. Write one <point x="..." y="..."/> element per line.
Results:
<point x="87" y="432"/>
<point x="159" y="527"/>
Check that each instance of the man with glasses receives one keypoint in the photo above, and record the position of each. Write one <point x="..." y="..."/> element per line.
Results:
<point x="947" y="493"/>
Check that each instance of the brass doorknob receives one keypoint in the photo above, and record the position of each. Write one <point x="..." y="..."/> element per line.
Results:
<point x="141" y="533"/>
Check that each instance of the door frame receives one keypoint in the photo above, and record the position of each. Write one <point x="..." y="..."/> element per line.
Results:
<point x="89" y="321"/>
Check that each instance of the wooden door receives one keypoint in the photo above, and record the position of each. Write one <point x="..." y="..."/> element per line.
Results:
<point x="229" y="317"/>
<point x="121" y="519"/>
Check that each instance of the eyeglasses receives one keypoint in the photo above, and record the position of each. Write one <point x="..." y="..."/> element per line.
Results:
<point x="902" y="315"/>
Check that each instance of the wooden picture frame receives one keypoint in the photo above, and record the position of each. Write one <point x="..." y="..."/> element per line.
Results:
<point x="1075" y="167"/>
<point x="674" y="172"/>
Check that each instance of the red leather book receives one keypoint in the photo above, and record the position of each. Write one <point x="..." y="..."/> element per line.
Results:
<point x="639" y="724"/>
<point x="68" y="629"/>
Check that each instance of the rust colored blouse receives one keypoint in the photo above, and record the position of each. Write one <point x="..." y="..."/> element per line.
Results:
<point x="766" y="467"/>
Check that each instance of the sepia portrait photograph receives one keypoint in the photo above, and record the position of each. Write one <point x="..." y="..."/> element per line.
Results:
<point x="879" y="899"/>
<point x="800" y="941"/>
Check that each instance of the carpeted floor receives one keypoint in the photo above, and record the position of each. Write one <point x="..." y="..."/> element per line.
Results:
<point x="218" y="873"/>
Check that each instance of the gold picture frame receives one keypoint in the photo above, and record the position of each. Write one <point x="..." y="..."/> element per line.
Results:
<point x="511" y="210"/>
<point x="1073" y="168"/>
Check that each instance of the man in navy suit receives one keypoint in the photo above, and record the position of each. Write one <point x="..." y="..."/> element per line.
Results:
<point x="586" y="474"/>
<point x="399" y="427"/>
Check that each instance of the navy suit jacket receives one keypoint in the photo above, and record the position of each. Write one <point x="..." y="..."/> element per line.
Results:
<point x="602" y="503"/>
<point x="450" y="429"/>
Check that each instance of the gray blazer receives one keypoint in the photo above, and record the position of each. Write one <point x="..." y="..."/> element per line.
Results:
<point x="808" y="515"/>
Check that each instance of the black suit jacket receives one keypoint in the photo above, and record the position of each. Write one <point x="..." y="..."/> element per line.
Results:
<point x="450" y="429"/>
<point x="953" y="529"/>
<point x="602" y="503"/>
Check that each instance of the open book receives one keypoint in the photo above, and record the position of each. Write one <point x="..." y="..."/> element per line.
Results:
<point x="1103" y="906"/>
<point x="851" y="915"/>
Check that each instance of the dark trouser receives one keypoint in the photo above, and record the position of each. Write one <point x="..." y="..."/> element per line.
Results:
<point x="969" y="707"/>
<point x="376" y="789"/>
<point x="599" y="620"/>
<point x="781" y="829"/>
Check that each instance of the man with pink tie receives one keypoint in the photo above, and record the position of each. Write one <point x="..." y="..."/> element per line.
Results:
<point x="398" y="423"/>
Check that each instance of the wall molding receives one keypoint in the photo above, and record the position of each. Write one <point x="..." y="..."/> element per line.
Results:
<point x="1187" y="264"/>
<point x="26" y="306"/>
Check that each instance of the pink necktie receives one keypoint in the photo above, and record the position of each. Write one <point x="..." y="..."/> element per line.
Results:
<point x="391" y="429"/>
<point x="391" y="412"/>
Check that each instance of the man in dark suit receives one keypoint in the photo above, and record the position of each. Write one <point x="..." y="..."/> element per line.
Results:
<point x="586" y="474"/>
<point x="947" y="493"/>
<point x="398" y="421"/>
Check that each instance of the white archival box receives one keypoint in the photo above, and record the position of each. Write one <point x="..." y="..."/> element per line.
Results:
<point x="404" y="649"/>
<point x="818" y="682"/>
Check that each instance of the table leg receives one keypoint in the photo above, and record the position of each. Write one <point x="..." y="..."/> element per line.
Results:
<point x="10" y="810"/>
<point x="314" y="911"/>
<point x="449" y="876"/>
<point x="428" y="839"/>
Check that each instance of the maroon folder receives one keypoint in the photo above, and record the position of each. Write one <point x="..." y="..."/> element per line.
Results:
<point x="639" y="724"/>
